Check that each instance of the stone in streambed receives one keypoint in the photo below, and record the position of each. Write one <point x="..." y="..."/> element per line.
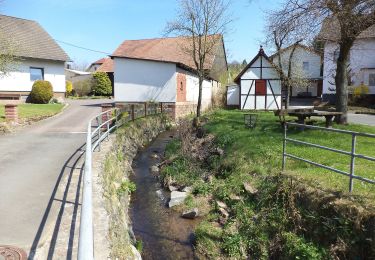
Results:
<point x="172" y="188"/>
<point x="177" y="198"/>
<point x="154" y="169"/>
<point x="190" y="214"/>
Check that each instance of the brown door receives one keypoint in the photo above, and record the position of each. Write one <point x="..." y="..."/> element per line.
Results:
<point x="260" y="87"/>
<point x="181" y="87"/>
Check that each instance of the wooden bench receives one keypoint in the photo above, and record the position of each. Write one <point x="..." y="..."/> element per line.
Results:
<point x="8" y="96"/>
<point x="328" y="115"/>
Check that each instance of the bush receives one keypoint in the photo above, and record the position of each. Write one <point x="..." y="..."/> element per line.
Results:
<point x="68" y="88"/>
<point x="41" y="92"/>
<point x="101" y="84"/>
<point x="82" y="87"/>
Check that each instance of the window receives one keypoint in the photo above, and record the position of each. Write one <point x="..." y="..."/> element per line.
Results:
<point x="260" y="87"/>
<point x="36" y="74"/>
<point x="181" y="86"/>
<point x="306" y="66"/>
<point x="371" y="79"/>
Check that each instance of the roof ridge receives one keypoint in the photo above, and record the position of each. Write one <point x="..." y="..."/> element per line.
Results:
<point x="161" y="38"/>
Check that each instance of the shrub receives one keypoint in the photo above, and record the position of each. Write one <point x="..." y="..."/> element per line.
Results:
<point x="41" y="92"/>
<point x="68" y="87"/>
<point x="101" y="84"/>
<point x="82" y="87"/>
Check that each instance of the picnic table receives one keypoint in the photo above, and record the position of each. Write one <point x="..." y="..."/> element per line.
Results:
<point x="328" y="115"/>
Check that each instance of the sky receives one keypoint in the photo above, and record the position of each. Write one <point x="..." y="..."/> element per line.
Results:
<point x="102" y="25"/>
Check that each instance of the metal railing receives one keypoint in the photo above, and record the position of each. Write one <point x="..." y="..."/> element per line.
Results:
<point x="353" y="155"/>
<point x="105" y="123"/>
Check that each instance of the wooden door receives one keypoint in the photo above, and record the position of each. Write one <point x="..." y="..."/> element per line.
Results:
<point x="260" y="87"/>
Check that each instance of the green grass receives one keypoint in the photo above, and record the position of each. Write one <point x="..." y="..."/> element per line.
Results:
<point x="262" y="146"/>
<point x="286" y="219"/>
<point x="34" y="111"/>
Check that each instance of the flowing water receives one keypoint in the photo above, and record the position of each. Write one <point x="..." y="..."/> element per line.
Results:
<point x="165" y="235"/>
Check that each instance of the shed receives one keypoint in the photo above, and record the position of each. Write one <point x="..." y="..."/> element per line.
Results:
<point x="259" y="84"/>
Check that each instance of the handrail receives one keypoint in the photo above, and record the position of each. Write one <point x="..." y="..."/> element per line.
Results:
<point x="86" y="232"/>
<point x="351" y="153"/>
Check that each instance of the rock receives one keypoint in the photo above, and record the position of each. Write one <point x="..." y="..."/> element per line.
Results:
<point x="154" y="169"/>
<point x="221" y="204"/>
<point x="219" y="151"/>
<point x="154" y="156"/>
<point x="160" y="194"/>
<point x="190" y="214"/>
<point x="250" y="189"/>
<point x="187" y="189"/>
<point x="177" y="198"/>
<point x="172" y="188"/>
<point x="235" y="197"/>
<point x="224" y="213"/>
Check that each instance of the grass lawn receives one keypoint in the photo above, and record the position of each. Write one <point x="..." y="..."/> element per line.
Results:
<point x="34" y="111"/>
<point x="262" y="146"/>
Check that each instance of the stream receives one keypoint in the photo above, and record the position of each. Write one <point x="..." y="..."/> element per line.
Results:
<point x="164" y="234"/>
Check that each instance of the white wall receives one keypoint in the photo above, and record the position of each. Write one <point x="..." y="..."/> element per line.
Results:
<point x="362" y="55"/>
<point x="233" y="95"/>
<point x="300" y="56"/>
<point x="142" y="81"/>
<point x="192" y="88"/>
<point x="260" y="102"/>
<point x="20" y="80"/>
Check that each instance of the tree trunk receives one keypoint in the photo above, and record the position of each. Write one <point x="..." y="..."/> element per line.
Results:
<point x="199" y="106"/>
<point x="288" y="94"/>
<point x="341" y="80"/>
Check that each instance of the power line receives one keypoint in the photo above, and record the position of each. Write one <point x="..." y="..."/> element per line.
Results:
<point x="83" y="48"/>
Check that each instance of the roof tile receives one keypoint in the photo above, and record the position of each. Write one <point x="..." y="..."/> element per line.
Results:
<point x="31" y="39"/>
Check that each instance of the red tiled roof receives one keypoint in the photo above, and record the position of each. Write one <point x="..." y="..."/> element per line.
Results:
<point x="163" y="49"/>
<point x="107" y="66"/>
<point x="100" y="61"/>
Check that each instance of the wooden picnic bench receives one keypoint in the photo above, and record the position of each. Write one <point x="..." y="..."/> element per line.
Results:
<point x="328" y="115"/>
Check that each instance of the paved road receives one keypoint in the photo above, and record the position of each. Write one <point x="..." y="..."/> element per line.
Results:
<point x="32" y="162"/>
<point x="361" y="119"/>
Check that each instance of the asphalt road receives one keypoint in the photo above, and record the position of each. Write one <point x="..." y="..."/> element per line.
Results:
<point x="361" y="119"/>
<point x="31" y="162"/>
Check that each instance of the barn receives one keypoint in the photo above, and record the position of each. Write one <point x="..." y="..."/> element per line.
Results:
<point x="259" y="85"/>
<point x="161" y="70"/>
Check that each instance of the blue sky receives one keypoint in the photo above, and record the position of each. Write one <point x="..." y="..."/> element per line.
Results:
<point x="103" y="24"/>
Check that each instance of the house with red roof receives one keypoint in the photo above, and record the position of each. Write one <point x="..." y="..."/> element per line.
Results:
<point x="161" y="70"/>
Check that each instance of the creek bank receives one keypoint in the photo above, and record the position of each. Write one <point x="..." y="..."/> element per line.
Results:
<point x="256" y="212"/>
<point x="117" y="187"/>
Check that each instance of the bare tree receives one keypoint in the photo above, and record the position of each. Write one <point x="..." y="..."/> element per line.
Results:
<point x="283" y="34"/>
<point x="352" y="17"/>
<point x="203" y="23"/>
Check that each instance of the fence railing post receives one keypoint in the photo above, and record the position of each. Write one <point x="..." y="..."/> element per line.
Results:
<point x="284" y="146"/>
<point x="109" y="116"/>
<point x="132" y="106"/>
<point x="99" y="131"/>
<point x="352" y="162"/>
<point x="145" y="109"/>
<point x="161" y="107"/>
